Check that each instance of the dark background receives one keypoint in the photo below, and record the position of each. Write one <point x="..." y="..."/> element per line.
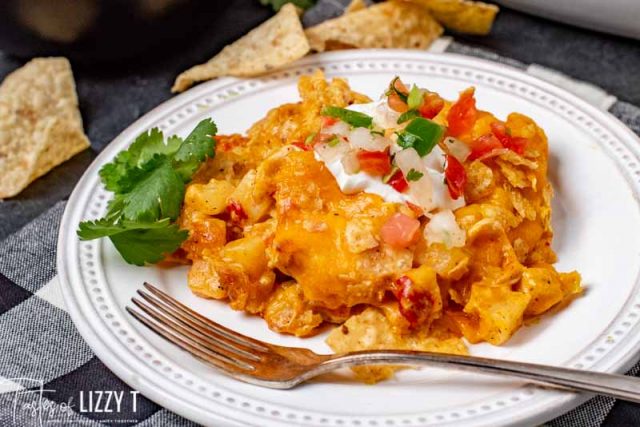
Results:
<point x="113" y="96"/>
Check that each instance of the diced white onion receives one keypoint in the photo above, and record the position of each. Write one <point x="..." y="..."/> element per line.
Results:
<point x="350" y="163"/>
<point x="420" y="190"/>
<point x="329" y="153"/>
<point x="338" y="128"/>
<point x="457" y="148"/>
<point x="441" y="196"/>
<point x="365" y="140"/>
<point x="443" y="228"/>
<point x="383" y="116"/>
<point x="435" y="159"/>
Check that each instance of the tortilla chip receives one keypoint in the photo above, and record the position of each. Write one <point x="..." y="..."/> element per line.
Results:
<point x="385" y="25"/>
<point x="40" y="124"/>
<point x="471" y="17"/>
<point x="355" y="6"/>
<point x="372" y="330"/>
<point x="274" y="44"/>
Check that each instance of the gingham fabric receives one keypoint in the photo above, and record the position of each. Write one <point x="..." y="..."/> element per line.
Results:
<point x="42" y="354"/>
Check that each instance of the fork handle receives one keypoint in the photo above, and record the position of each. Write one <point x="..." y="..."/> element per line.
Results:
<point x="617" y="386"/>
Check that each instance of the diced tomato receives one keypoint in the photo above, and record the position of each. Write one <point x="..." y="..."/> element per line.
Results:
<point x="516" y="144"/>
<point x="414" y="305"/>
<point x="401" y="284"/>
<point x="400" y="87"/>
<point x="236" y="211"/>
<point x="431" y="105"/>
<point x="376" y="163"/>
<point x="396" y="103"/>
<point x="462" y="114"/>
<point x="500" y="131"/>
<point x="456" y="177"/>
<point x="328" y="121"/>
<point x="301" y="145"/>
<point x="400" y="230"/>
<point x="484" y="145"/>
<point x="415" y="208"/>
<point x="398" y="182"/>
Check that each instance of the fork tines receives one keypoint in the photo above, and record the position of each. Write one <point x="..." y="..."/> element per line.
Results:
<point x="194" y="333"/>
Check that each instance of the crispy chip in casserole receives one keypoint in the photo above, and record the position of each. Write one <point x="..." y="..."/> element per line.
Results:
<point x="371" y="330"/>
<point x="277" y="42"/>
<point x="391" y="24"/>
<point x="40" y="124"/>
<point x="307" y="254"/>
<point x="471" y="17"/>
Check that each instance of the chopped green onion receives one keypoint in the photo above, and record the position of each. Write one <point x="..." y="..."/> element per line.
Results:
<point x="377" y="132"/>
<point x="414" y="175"/>
<point x="353" y="118"/>
<point x="333" y="141"/>
<point x="421" y="135"/>
<point x="310" y="138"/>
<point x="414" y="100"/>
<point x="392" y="89"/>
<point x="408" y="115"/>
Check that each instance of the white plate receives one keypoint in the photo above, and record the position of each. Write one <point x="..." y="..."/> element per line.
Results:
<point x="595" y="171"/>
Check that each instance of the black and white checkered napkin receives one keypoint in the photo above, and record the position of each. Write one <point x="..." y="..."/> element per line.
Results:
<point x="43" y="356"/>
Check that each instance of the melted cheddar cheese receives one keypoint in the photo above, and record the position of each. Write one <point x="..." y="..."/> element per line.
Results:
<point x="271" y="232"/>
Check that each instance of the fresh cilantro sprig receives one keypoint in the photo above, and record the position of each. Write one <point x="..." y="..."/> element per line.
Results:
<point x="148" y="181"/>
<point x="414" y="175"/>
<point x="277" y="4"/>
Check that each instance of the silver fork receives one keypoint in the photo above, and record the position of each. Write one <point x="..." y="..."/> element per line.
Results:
<point x="279" y="367"/>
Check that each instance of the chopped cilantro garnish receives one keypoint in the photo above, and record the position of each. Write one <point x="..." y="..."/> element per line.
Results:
<point x="408" y="115"/>
<point x="149" y="180"/>
<point x="414" y="175"/>
<point x="415" y="98"/>
<point x="421" y="134"/>
<point x="353" y="118"/>
<point x="195" y="149"/>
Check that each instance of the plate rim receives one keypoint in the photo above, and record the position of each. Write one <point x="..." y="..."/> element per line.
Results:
<point x="111" y="358"/>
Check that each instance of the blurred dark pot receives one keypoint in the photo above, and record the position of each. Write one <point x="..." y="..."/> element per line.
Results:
<point x="90" y="31"/>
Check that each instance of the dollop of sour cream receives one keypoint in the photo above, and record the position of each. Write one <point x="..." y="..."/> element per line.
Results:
<point x="361" y="181"/>
<point x="431" y="166"/>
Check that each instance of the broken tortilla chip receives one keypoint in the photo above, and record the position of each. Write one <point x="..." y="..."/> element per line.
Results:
<point x="391" y="24"/>
<point x="355" y="6"/>
<point x="471" y="17"/>
<point x="372" y="330"/>
<point x="40" y="124"/>
<point x="275" y="43"/>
